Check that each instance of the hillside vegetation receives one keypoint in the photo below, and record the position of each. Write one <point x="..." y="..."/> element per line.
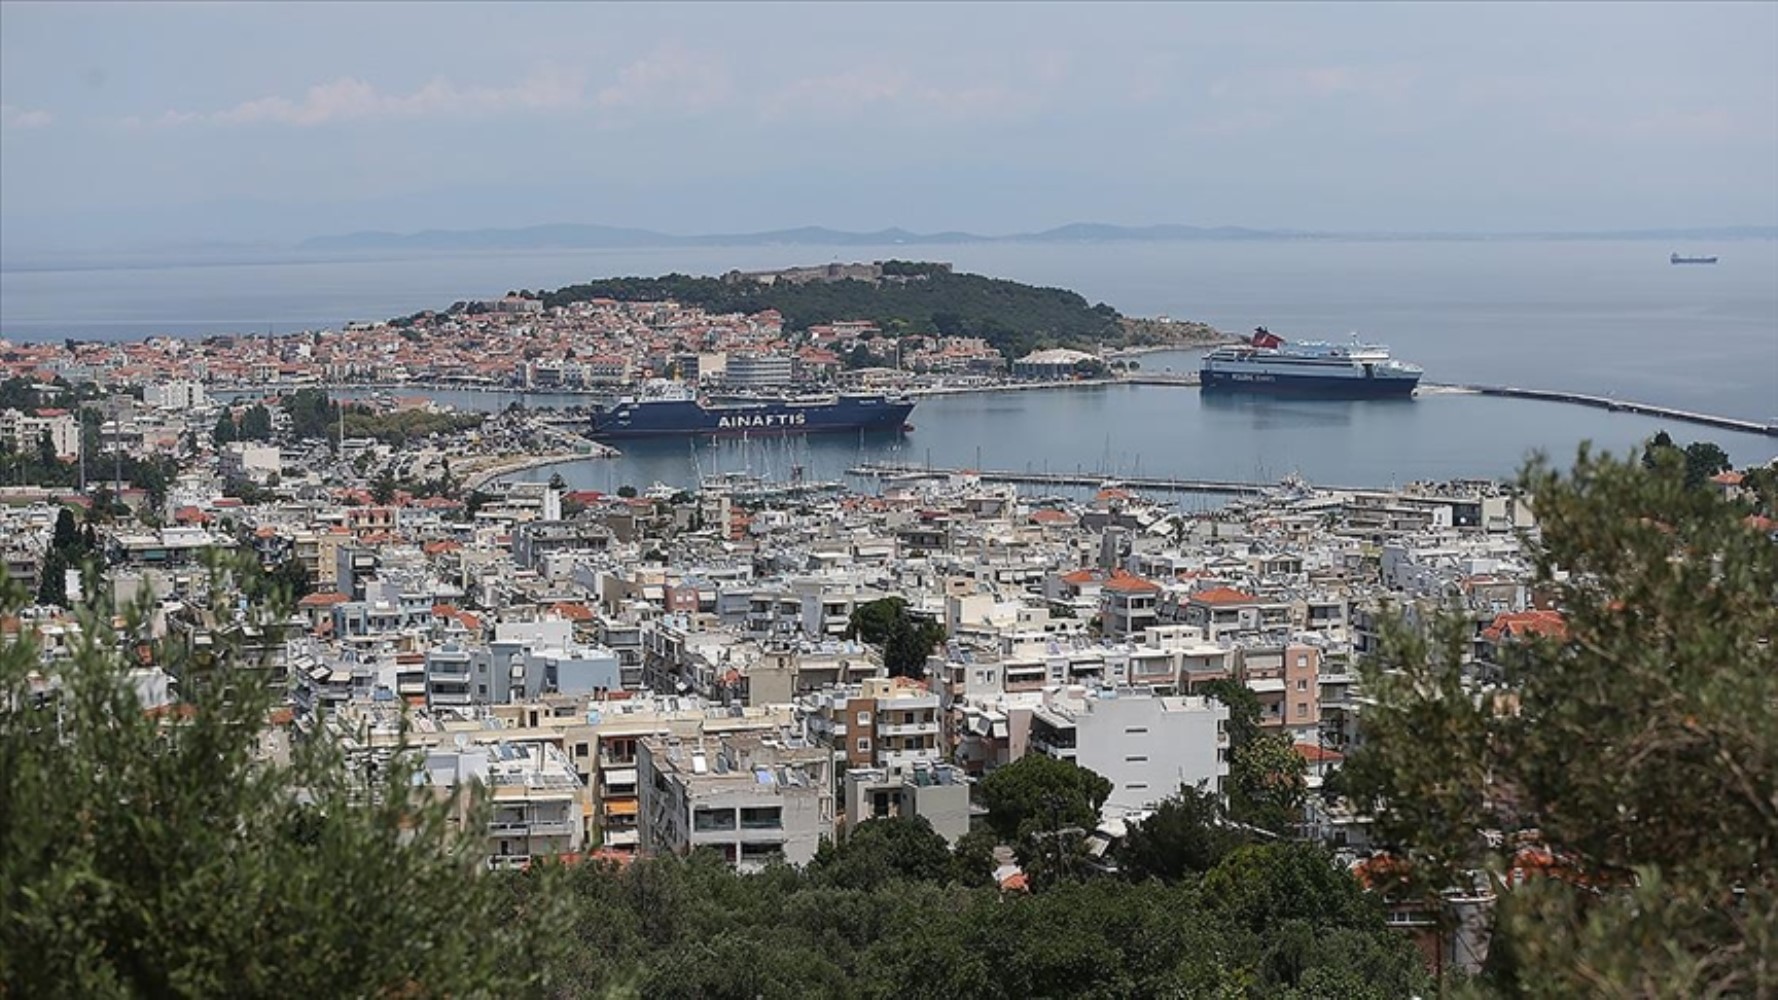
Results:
<point x="1015" y="318"/>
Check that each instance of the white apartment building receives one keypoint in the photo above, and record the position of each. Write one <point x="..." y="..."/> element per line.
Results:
<point x="175" y="396"/>
<point x="754" y="370"/>
<point x="538" y="805"/>
<point x="21" y="431"/>
<point x="1146" y="745"/>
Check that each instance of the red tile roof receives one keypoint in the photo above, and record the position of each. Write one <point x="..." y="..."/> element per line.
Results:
<point x="322" y="600"/>
<point x="1318" y="755"/>
<point x="1223" y="595"/>
<point x="1127" y="583"/>
<point x="1522" y="623"/>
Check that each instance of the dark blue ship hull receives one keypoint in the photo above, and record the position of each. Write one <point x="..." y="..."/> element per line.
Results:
<point x="1318" y="387"/>
<point x="688" y="418"/>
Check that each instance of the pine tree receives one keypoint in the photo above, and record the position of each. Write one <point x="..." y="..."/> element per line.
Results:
<point x="154" y="854"/>
<point x="1636" y="750"/>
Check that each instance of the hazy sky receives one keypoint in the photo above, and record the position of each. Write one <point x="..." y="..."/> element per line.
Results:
<point x="142" y="124"/>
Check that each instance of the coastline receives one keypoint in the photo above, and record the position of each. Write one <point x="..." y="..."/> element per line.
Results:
<point x="511" y="466"/>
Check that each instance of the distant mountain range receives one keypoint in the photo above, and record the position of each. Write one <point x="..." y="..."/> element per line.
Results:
<point x="569" y="236"/>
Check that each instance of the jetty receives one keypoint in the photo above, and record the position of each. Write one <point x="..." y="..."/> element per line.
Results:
<point x="1223" y="487"/>
<point x="1770" y="428"/>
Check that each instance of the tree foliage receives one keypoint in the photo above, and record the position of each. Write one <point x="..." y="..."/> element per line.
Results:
<point x="1040" y="792"/>
<point x="693" y="928"/>
<point x="312" y="415"/>
<point x="879" y="851"/>
<point x="151" y="854"/>
<point x="906" y="638"/>
<point x="1267" y="778"/>
<point x="256" y="423"/>
<point x="1637" y="750"/>
<point x="1185" y="835"/>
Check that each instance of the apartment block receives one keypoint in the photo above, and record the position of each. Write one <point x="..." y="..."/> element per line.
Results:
<point x="754" y="798"/>
<point x="1146" y="745"/>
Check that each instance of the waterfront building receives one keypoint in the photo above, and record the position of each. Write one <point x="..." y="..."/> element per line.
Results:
<point x="1054" y="363"/>
<point x="755" y="371"/>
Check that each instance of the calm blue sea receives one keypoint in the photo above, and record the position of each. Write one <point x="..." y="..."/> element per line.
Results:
<point x="1612" y="318"/>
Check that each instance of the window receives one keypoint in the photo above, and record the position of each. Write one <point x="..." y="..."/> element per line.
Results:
<point x="1302" y="685"/>
<point x="705" y="820"/>
<point x="580" y="749"/>
<point x="762" y="818"/>
<point x="1302" y="659"/>
<point x="1135" y="730"/>
<point x="1302" y="708"/>
<point x="1135" y="760"/>
<point x="864" y="744"/>
<point x="864" y="718"/>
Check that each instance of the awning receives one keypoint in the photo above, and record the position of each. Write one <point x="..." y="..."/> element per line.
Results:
<point x="619" y="776"/>
<point x="622" y="807"/>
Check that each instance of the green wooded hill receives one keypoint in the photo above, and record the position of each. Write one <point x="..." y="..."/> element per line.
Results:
<point x="1015" y="318"/>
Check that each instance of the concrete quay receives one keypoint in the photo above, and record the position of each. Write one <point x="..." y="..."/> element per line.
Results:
<point x="1770" y="428"/>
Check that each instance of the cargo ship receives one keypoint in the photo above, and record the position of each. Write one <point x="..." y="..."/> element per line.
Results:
<point x="677" y="413"/>
<point x="1677" y="259"/>
<point x="1269" y="365"/>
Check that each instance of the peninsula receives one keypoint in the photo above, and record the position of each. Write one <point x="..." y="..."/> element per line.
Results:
<point x="899" y="298"/>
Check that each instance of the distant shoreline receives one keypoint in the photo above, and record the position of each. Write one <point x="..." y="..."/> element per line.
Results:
<point x="25" y="260"/>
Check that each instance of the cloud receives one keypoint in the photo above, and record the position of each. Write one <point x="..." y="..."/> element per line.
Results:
<point x="1318" y="83"/>
<point x="350" y="99"/>
<point x="863" y="89"/>
<point x="667" y="79"/>
<point x="17" y="117"/>
<point x="670" y="77"/>
<point x="1661" y="124"/>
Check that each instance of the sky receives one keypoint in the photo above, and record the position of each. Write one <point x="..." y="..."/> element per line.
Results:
<point x="142" y="125"/>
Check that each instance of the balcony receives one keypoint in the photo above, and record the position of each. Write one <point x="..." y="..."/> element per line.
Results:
<point x="552" y="828"/>
<point x="762" y="819"/>
<point x="910" y="729"/>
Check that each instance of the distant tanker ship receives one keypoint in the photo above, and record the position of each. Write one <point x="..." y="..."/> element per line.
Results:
<point x="678" y="413"/>
<point x="1677" y="259"/>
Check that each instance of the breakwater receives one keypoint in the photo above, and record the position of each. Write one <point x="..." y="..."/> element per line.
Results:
<point x="1770" y="428"/>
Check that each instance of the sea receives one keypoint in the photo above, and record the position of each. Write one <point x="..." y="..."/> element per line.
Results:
<point x="1611" y="318"/>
